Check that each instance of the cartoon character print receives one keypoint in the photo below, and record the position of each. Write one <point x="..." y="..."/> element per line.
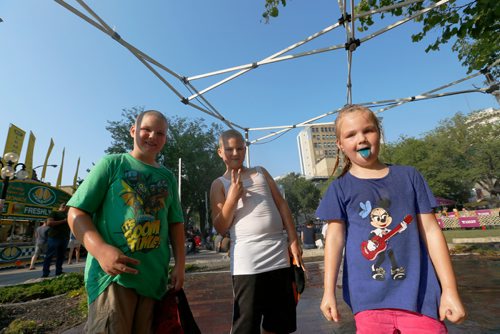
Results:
<point x="377" y="246"/>
<point x="146" y="197"/>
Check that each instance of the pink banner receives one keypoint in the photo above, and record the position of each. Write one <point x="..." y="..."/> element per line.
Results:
<point x="440" y="222"/>
<point x="484" y="212"/>
<point x="468" y="222"/>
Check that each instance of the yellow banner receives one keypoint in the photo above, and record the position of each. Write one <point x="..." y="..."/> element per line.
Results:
<point x="75" y="179"/>
<point x="15" y="139"/>
<point x="51" y="145"/>
<point x="59" y="177"/>
<point x="28" y="161"/>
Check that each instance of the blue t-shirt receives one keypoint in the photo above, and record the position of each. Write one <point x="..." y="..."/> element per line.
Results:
<point x="394" y="270"/>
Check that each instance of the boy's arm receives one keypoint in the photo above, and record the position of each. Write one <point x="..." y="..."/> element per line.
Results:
<point x="334" y="244"/>
<point x="223" y="208"/>
<point x="111" y="259"/>
<point x="177" y="239"/>
<point x="286" y="216"/>
<point x="451" y="306"/>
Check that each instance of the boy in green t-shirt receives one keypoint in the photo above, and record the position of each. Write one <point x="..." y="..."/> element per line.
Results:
<point x="126" y="213"/>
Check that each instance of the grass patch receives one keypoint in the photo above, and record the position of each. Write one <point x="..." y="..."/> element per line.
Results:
<point x="47" y="288"/>
<point x="476" y="233"/>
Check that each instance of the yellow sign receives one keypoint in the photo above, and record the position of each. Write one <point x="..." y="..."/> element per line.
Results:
<point x="28" y="161"/>
<point x="15" y="139"/>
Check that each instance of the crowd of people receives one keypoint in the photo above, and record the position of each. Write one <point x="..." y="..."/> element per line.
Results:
<point x="397" y="270"/>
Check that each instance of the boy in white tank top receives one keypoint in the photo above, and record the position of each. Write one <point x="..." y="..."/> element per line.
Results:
<point x="247" y="202"/>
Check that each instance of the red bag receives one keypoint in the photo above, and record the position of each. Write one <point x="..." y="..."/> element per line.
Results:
<point x="172" y="315"/>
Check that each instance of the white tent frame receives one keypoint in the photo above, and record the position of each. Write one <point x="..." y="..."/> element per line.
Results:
<point x="350" y="46"/>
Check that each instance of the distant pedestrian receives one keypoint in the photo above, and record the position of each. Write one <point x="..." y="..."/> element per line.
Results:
<point x="74" y="245"/>
<point x="58" y="236"/>
<point x="40" y="243"/>
<point x="308" y="236"/>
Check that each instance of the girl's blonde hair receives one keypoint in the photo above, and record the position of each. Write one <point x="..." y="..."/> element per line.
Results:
<point x="346" y="110"/>
<point x="231" y="133"/>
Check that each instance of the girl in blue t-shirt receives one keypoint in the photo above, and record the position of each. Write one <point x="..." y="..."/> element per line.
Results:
<point x="397" y="274"/>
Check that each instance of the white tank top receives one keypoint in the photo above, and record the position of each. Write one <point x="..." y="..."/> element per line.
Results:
<point x="258" y="242"/>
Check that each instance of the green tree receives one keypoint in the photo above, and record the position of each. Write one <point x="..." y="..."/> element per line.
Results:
<point x="194" y="143"/>
<point x="301" y="195"/>
<point x="453" y="157"/>
<point x="472" y="26"/>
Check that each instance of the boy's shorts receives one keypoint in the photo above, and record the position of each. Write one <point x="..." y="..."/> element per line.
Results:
<point x="384" y="321"/>
<point x="267" y="298"/>
<point x="120" y="310"/>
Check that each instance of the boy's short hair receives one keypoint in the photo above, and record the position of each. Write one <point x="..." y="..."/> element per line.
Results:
<point x="157" y="113"/>
<point x="231" y="133"/>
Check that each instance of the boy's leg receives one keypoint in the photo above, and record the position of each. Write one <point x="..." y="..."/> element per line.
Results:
<point x="246" y="315"/>
<point x="277" y="297"/>
<point x="120" y="310"/>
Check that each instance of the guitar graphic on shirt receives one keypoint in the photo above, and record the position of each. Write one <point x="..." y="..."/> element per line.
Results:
<point x="381" y="242"/>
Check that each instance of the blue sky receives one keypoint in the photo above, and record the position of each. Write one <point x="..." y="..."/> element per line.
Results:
<point x="62" y="78"/>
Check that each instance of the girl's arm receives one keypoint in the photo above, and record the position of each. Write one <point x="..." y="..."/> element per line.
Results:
<point x="286" y="217"/>
<point x="334" y="245"/>
<point x="451" y="306"/>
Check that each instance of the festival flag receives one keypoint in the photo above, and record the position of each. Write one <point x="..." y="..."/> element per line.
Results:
<point x="76" y="174"/>
<point x="51" y="145"/>
<point x="15" y="139"/>
<point x="28" y="161"/>
<point x="59" y="177"/>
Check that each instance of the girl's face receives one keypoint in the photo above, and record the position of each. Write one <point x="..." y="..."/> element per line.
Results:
<point x="232" y="152"/>
<point x="359" y="138"/>
<point x="150" y="135"/>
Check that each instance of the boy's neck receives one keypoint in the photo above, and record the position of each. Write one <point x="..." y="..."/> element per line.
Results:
<point x="145" y="159"/>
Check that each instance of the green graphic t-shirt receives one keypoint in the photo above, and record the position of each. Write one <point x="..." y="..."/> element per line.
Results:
<point x="131" y="204"/>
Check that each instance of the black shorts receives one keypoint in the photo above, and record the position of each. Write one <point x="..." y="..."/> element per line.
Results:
<point x="265" y="298"/>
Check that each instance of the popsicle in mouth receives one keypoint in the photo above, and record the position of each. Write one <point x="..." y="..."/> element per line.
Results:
<point x="364" y="152"/>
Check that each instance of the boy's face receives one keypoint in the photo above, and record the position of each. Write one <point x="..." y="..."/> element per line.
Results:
<point x="150" y="135"/>
<point x="232" y="151"/>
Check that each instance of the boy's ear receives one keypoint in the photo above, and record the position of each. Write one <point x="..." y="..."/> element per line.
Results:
<point x="132" y="131"/>
<point x="219" y="151"/>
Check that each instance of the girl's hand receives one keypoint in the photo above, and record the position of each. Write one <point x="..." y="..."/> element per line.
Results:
<point x="329" y="308"/>
<point x="451" y="307"/>
<point x="114" y="262"/>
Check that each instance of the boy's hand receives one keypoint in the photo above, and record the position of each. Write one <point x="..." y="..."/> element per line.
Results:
<point x="451" y="308"/>
<point x="114" y="262"/>
<point x="236" y="189"/>
<point x="177" y="277"/>
<point x="296" y="252"/>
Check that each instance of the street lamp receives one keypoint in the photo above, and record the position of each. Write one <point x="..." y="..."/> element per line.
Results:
<point x="10" y="172"/>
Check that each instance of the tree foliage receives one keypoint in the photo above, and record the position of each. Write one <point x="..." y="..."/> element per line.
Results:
<point x="472" y="26"/>
<point x="301" y="195"/>
<point x="453" y="158"/>
<point x="192" y="141"/>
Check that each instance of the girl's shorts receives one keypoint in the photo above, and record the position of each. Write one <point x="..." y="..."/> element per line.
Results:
<point x="393" y="321"/>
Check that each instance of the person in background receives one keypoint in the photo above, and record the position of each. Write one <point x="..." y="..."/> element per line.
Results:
<point x="126" y="214"/>
<point x="247" y="203"/>
<point x="74" y="246"/>
<point x="308" y="236"/>
<point x="40" y="243"/>
<point x="57" y="241"/>
<point x="397" y="275"/>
